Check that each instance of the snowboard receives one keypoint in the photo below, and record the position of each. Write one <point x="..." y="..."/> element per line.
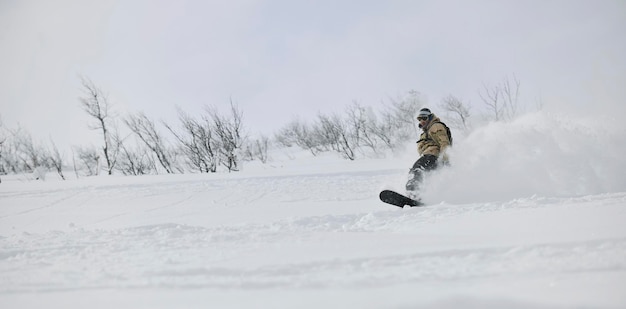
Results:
<point x="397" y="199"/>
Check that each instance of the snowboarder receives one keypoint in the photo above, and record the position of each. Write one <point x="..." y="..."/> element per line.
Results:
<point x="432" y="146"/>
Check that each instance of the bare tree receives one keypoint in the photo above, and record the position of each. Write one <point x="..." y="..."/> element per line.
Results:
<point x="385" y="130"/>
<point x="88" y="160"/>
<point x="396" y="123"/>
<point x="198" y="142"/>
<point x="257" y="149"/>
<point x="457" y="112"/>
<point x="146" y="130"/>
<point x="229" y="134"/>
<point x="492" y="98"/>
<point x="9" y="153"/>
<point x="301" y="134"/>
<point x="502" y="99"/>
<point x="403" y="113"/>
<point x="96" y="105"/>
<point x="56" y="159"/>
<point x="510" y="94"/>
<point x="335" y="133"/>
<point x="30" y="156"/>
<point x="362" y="126"/>
<point x="135" y="162"/>
<point x="331" y="132"/>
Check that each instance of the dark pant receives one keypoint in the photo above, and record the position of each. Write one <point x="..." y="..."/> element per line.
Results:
<point x="416" y="173"/>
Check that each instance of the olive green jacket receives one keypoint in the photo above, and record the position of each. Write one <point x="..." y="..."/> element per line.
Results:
<point x="434" y="139"/>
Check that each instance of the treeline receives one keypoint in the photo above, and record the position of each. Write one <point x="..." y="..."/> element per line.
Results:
<point x="212" y="140"/>
<point x="358" y="131"/>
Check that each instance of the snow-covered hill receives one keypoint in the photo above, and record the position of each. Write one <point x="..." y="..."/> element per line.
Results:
<point x="530" y="215"/>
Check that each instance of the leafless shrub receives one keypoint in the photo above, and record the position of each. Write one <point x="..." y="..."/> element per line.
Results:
<point x="334" y="132"/>
<point x="457" y="113"/>
<point x="359" y="130"/>
<point x="257" y="149"/>
<point x="299" y="133"/>
<point x="147" y="132"/>
<point x="30" y="157"/>
<point x="96" y="104"/>
<point x="197" y="142"/>
<point x="502" y="99"/>
<point x="229" y="135"/>
<point x="401" y="115"/>
<point x="86" y="159"/>
<point x="384" y="130"/>
<point x="135" y="161"/>
<point x="55" y="159"/>
<point x="362" y="126"/>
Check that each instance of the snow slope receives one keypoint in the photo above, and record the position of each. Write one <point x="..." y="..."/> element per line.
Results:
<point x="532" y="223"/>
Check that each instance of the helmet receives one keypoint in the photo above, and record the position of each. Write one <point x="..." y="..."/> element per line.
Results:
<point x="425" y="112"/>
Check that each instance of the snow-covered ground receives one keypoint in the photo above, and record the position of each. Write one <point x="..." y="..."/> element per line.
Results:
<point x="532" y="214"/>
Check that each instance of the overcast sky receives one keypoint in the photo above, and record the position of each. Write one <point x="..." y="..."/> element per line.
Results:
<point x="281" y="59"/>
